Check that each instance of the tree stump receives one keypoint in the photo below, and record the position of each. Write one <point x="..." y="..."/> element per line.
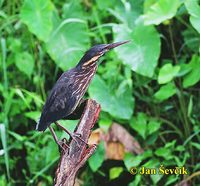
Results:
<point x="74" y="157"/>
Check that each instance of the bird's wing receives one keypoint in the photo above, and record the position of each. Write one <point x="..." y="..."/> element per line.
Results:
<point x="59" y="102"/>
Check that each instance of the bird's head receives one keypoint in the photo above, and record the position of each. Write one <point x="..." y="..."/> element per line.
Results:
<point x="94" y="53"/>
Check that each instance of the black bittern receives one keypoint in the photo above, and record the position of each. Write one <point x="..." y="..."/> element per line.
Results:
<point x="66" y="95"/>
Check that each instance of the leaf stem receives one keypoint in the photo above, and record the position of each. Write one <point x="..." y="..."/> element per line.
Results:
<point x="178" y="131"/>
<point x="187" y="25"/>
<point x="172" y="44"/>
<point x="181" y="99"/>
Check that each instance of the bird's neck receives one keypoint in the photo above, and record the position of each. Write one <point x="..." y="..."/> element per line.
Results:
<point x="88" y="62"/>
<point x="84" y="76"/>
<point x="89" y="69"/>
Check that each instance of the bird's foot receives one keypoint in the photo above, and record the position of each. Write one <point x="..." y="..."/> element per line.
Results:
<point x="78" y="136"/>
<point x="63" y="145"/>
<point x="71" y="134"/>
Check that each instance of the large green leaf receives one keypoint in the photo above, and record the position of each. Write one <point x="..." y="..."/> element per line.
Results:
<point x="167" y="73"/>
<point x="68" y="42"/>
<point x="160" y="11"/>
<point x="142" y="53"/>
<point x="37" y="15"/>
<point x="70" y="38"/>
<point x="165" y="92"/>
<point x="73" y="9"/>
<point x="193" y="8"/>
<point x="127" y="11"/>
<point x="25" y="63"/>
<point x="118" y="104"/>
<point x="103" y="5"/>
<point x="194" y="75"/>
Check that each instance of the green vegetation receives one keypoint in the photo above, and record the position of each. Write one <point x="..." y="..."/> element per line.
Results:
<point x="149" y="86"/>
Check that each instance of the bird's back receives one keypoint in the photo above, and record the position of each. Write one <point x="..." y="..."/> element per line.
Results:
<point x="64" y="96"/>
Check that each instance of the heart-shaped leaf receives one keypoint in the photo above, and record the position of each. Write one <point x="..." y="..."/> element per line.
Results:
<point x="160" y="11"/>
<point x="119" y="105"/>
<point x="139" y="124"/>
<point x="153" y="126"/>
<point x="165" y="92"/>
<point x="70" y="38"/>
<point x="67" y="43"/>
<point x="142" y="53"/>
<point x="37" y="15"/>
<point x="167" y="73"/>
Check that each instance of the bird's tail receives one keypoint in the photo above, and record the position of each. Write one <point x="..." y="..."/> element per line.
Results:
<point x="41" y="125"/>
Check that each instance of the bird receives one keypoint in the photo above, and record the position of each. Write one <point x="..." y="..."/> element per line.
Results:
<point x="67" y="93"/>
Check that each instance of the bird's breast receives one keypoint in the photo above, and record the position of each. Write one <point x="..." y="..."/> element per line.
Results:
<point x="82" y="81"/>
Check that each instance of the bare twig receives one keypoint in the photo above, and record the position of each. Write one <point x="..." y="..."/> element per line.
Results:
<point x="75" y="157"/>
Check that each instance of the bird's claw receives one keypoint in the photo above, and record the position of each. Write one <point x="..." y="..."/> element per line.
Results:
<point x="77" y="135"/>
<point x="62" y="144"/>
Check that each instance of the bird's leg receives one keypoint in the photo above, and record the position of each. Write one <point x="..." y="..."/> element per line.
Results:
<point x="59" y="142"/>
<point x="72" y="135"/>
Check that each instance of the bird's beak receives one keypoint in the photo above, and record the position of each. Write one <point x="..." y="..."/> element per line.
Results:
<point x="107" y="47"/>
<point x="114" y="45"/>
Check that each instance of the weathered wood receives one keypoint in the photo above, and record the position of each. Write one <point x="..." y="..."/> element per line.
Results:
<point x="78" y="153"/>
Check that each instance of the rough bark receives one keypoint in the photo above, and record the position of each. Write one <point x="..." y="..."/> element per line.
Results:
<point x="78" y="153"/>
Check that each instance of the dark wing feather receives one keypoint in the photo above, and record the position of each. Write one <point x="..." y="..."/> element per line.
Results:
<point x="59" y="104"/>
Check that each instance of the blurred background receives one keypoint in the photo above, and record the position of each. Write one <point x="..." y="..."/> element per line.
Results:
<point x="148" y="89"/>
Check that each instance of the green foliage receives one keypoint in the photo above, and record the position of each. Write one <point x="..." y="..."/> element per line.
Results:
<point x="37" y="15"/>
<point x="159" y="11"/>
<point x="97" y="159"/>
<point x="193" y="76"/>
<point x="193" y="9"/>
<point x="144" y="125"/>
<point x="61" y="46"/>
<point x="150" y="85"/>
<point x="167" y="73"/>
<point x="5" y="148"/>
<point x="144" y="48"/>
<point x="165" y="92"/>
<point x="25" y="63"/>
<point x="118" y="102"/>
<point x="115" y="172"/>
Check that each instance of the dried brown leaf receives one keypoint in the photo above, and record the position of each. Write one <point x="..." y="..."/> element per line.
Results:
<point x="114" y="151"/>
<point x="120" y="134"/>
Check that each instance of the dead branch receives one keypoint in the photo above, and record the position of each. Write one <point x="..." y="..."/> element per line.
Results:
<point x="75" y="157"/>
